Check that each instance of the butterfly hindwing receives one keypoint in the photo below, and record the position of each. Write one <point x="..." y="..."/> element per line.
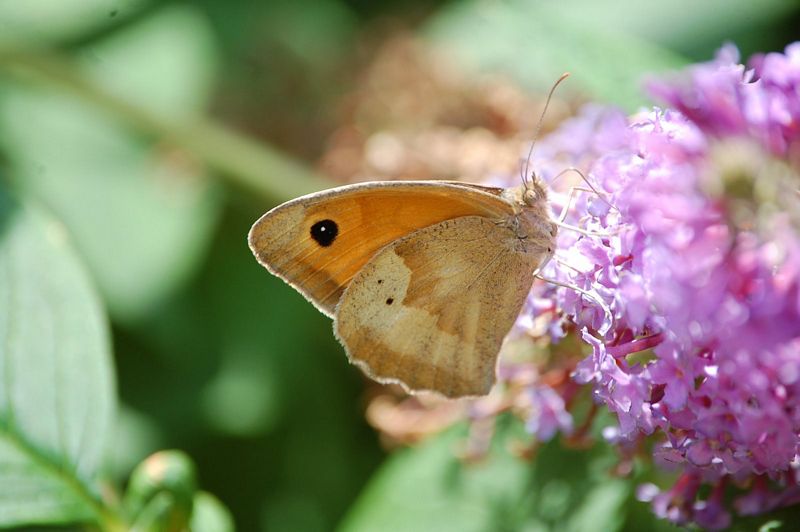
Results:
<point x="431" y="309"/>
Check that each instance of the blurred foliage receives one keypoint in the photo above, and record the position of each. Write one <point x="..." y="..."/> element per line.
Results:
<point x="428" y="488"/>
<point x="138" y="142"/>
<point x="608" y="46"/>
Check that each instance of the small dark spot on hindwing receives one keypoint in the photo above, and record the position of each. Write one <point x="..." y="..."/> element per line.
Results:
<point x="390" y="301"/>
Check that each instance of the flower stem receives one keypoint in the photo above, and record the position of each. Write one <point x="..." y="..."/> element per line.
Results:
<point x="648" y="342"/>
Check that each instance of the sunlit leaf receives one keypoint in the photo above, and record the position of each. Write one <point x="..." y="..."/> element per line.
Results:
<point x="428" y="488"/>
<point x="210" y="515"/>
<point x="141" y="213"/>
<point x="535" y="43"/>
<point x="56" y="384"/>
<point x="607" y="46"/>
<point x="39" y="21"/>
<point x="164" y="64"/>
<point x="683" y="25"/>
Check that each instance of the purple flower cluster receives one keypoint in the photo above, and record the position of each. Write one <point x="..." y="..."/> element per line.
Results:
<point x="694" y="249"/>
<point x="724" y="98"/>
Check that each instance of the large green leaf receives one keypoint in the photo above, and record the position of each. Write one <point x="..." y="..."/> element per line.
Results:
<point x="57" y="393"/>
<point x="141" y="213"/>
<point x="536" y="43"/>
<point x="607" y="46"/>
<point x="690" y="27"/>
<point x="38" y="21"/>
<point x="428" y="488"/>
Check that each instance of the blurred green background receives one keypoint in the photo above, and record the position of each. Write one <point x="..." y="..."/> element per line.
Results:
<point x="158" y="131"/>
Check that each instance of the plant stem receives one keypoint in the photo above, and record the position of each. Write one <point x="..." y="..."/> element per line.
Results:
<point x="242" y="160"/>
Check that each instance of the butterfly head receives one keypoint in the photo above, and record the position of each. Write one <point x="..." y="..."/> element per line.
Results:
<point x="534" y="192"/>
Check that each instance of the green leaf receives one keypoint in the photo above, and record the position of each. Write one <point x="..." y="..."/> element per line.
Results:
<point x="210" y="515"/>
<point x="165" y="64"/>
<point x="427" y="488"/>
<point x="57" y="394"/>
<point x="42" y="21"/>
<point x="536" y="43"/>
<point x="141" y="213"/>
<point x="687" y="26"/>
<point x="609" y="47"/>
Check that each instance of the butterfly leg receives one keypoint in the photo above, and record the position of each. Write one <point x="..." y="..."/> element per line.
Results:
<point x="561" y="223"/>
<point x="571" y="197"/>
<point x="573" y="190"/>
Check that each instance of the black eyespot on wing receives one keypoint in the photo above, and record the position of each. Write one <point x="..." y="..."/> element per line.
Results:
<point x="324" y="232"/>
<point x="390" y="301"/>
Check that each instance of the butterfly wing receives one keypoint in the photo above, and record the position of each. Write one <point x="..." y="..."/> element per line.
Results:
<point x="318" y="242"/>
<point x="430" y="310"/>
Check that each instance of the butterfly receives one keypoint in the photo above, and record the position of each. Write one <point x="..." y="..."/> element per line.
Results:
<point x="423" y="279"/>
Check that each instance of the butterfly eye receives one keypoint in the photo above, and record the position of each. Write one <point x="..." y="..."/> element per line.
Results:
<point x="324" y="232"/>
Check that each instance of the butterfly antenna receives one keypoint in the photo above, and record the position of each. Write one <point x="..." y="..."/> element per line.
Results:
<point x="564" y="76"/>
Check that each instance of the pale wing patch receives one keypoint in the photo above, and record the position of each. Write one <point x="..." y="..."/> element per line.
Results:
<point x="430" y="310"/>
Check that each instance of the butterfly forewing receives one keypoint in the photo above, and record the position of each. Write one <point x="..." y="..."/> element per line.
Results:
<point x="431" y="309"/>
<point x="317" y="243"/>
